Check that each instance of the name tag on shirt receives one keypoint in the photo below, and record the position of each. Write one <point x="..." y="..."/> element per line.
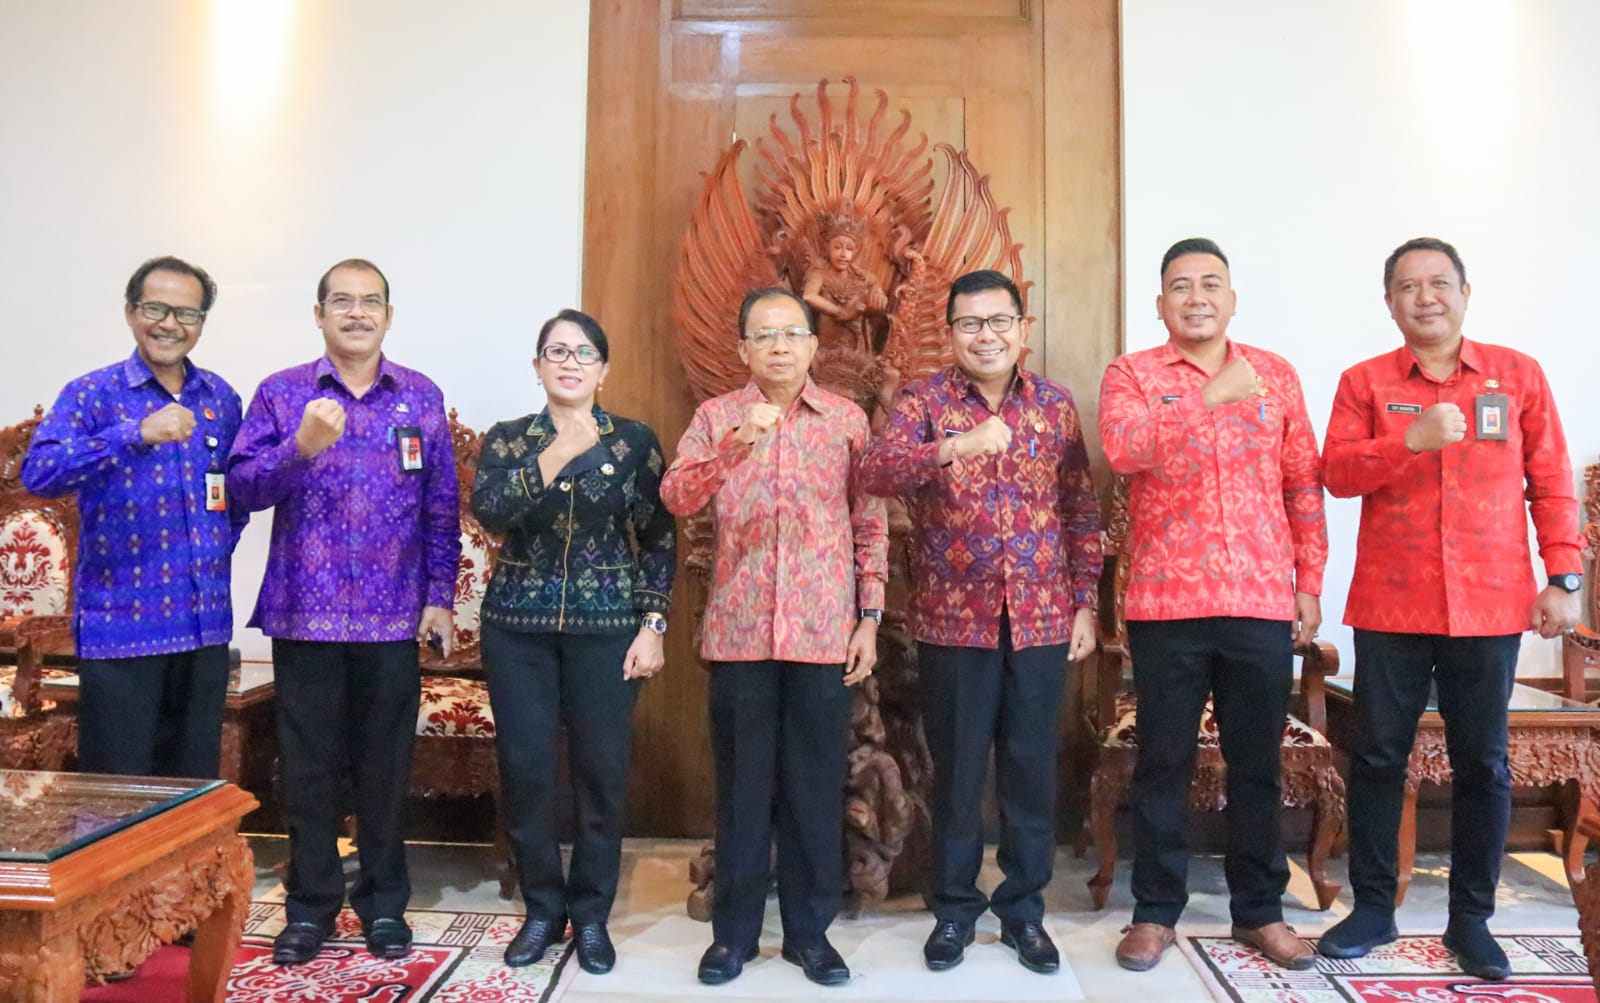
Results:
<point x="1491" y="414"/>
<point x="951" y="433"/>
<point x="408" y="444"/>
<point x="1169" y="398"/>
<point x="1403" y="408"/>
<point x="216" y="492"/>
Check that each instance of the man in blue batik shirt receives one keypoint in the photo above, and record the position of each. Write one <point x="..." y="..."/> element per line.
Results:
<point x="143" y="444"/>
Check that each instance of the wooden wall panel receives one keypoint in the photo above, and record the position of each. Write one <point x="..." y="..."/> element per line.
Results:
<point x="1028" y="86"/>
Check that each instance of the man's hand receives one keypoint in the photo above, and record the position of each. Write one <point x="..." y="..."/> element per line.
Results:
<point x="1235" y="381"/>
<point x="862" y="653"/>
<point x="993" y="436"/>
<point x="1307" y="617"/>
<point x="173" y="423"/>
<point x="1556" y="611"/>
<point x="1439" y="426"/>
<point x="1084" y="635"/>
<point x="759" y="420"/>
<point x="437" y="620"/>
<point x="320" y="427"/>
<point x="646" y="655"/>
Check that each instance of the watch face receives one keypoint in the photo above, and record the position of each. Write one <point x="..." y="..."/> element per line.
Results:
<point x="1571" y="583"/>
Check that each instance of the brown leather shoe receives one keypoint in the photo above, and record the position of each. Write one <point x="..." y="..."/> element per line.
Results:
<point x="1143" y="944"/>
<point x="1279" y="943"/>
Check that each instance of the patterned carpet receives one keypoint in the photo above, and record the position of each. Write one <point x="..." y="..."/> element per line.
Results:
<point x="1545" y="968"/>
<point x="456" y="958"/>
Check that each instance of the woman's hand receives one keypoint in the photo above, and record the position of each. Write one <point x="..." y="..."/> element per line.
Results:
<point x="646" y="655"/>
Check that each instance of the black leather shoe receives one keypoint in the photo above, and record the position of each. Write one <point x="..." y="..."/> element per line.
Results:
<point x="388" y="938"/>
<point x="1035" y="949"/>
<point x="595" y="953"/>
<point x="820" y="962"/>
<point x="533" y="940"/>
<point x="1476" y="952"/>
<point x="298" y="943"/>
<point x="946" y="945"/>
<point x="722" y="963"/>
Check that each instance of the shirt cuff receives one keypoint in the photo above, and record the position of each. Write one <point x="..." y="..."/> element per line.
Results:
<point x="1562" y="560"/>
<point x="1186" y="409"/>
<point x="124" y="435"/>
<point x="647" y="601"/>
<point x="1308" y="581"/>
<point x="869" y="593"/>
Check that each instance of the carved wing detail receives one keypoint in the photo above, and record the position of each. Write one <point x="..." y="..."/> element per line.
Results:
<point x="723" y="257"/>
<point x="969" y="231"/>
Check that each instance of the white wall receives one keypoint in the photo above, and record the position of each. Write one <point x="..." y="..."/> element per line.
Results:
<point x="265" y="140"/>
<point x="1311" y="139"/>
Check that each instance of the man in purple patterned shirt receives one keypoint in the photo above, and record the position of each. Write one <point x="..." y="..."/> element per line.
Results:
<point x="353" y="453"/>
<point x="143" y="444"/>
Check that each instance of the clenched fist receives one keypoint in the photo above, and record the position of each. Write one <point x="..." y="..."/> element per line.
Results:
<point x="320" y="427"/>
<point x="173" y="423"/>
<point x="1439" y="426"/>
<point x="759" y="420"/>
<point x="1233" y="382"/>
<point x="993" y="436"/>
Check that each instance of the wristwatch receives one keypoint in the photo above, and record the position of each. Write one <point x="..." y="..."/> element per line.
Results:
<point x="875" y="615"/>
<point x="1567" y="583"/>
<point x="654" y="622"/>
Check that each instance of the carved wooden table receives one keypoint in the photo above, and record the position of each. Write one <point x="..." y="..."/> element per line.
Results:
<point x="1552" y="740"/>
<point x="247" y="725"/>
<point x="97" y="872"/>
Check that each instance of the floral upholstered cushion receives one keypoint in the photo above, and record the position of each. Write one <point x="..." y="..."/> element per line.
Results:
<point x="1123" y="733"/>
<point x="34" y="571"/>
<point x="455" y="707"/>
<point x="9" y="708"/>
<point x="472" y="581"/>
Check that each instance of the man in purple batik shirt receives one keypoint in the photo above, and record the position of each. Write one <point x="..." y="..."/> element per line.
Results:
<point x="143" y="444"/>
<point x="353" y="453"/>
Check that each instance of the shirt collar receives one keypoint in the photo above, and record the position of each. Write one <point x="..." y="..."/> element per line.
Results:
<point x="1405" y="360"/>
<point x="810" y="395"/>
<point x="1172" y="355"/>
<point x="542" y="426"/>
<point x="1021" y="385"/>
<point x="136" y="371"/>
<point x="325" y="371"/>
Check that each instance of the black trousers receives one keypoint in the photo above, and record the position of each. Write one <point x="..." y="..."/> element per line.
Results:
<point x="1393" y="675"/>
<point x="975" y="699"/>
<point x="779" y="739"/>
<point x="153" y="716"/>
<point x="345" y="709"/>
<point x="538" y="684"/>
<point x="1247" y="668"/>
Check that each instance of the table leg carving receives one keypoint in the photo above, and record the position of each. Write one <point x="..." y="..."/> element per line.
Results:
<point x="1408" y="842"/>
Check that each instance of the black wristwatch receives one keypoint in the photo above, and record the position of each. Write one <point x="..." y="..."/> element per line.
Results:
<point x="1567" y="583"/>
<point x="875" y="615"/>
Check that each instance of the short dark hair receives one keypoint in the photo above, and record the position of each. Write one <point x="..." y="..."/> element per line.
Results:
<point x="977" y="282"/>
<point x="1422" y="244"/>
<point x="360" y="264"/>
<point x="167" y="263"/>
<point x="588" y="325"/>
<point x="1191" y="245"/>
<point x="755" y="296"/>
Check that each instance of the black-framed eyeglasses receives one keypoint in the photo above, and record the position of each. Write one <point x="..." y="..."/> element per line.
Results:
<point x="587" y="355"/>
<point x="157" y="311"/>
<point x="766" y="337"/>
<point x="1000" y="323"/>
<point x="345" y="303"/>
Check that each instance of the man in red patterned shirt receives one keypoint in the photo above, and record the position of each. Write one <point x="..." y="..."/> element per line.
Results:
<point x="790" y="624"/>
<point x="1226" y="546"/>
<point x="1004" y="571"/>
<point x="1450" y="444"/>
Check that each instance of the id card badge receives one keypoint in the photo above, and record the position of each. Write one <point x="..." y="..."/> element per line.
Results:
<point x="1491" y="411"/>
<point x="216" y="492"/>
<point x="408" y="443"/>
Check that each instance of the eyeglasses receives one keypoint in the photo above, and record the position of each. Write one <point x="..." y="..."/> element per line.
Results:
<point x="343" y="303"/>
<point x="188" y="316"/>
<point x="766" y="337"/>
<point x="587" y="355"/>
<point x="1000" y="323"/>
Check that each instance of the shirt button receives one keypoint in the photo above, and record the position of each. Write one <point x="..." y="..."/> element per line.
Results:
<point x="566" y="485"/>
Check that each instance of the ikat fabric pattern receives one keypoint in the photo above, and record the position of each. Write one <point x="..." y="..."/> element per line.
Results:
<point x="359" y="544"/>
<point x="587" y="553"/>
<point x="1225" y="507"/>
<point x="799" y="546"/>
<point x="1443" y="544"/>
<point x="1018" y="531"/>
<point x="154" y="566"/>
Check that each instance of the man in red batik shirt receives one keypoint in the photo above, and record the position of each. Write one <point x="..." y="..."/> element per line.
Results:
<point x="1450" y="444"/>
<point x="1226" y="544"/>
<point x="1004" y="570"/>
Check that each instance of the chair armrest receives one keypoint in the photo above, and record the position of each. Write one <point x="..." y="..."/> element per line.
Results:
<point x="37" y="636"/>
<point x="1317" y="661"/>
<point x="1110" y="662"/>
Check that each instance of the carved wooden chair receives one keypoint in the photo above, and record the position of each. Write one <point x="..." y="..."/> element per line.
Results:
<point x="1309" y="777"/>
<point x="1580" y="648"/>
<point x="454" y="754"/>
<point x="38" y="551"/>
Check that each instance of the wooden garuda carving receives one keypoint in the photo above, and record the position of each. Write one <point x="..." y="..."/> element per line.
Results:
<point x="846" y="214"/>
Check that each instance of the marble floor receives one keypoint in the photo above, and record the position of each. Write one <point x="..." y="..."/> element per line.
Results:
<point x="658" y="945"/>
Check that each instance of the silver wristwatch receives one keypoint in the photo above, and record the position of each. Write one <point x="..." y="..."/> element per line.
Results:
<point x="654" y="622"/>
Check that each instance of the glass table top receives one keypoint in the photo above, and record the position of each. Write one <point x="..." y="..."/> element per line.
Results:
<point x="45" y="816"/>
<point x="1524" y="699"/>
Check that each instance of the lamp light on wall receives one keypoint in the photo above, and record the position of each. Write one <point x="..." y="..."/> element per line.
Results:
<point x="249" y="49"/>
